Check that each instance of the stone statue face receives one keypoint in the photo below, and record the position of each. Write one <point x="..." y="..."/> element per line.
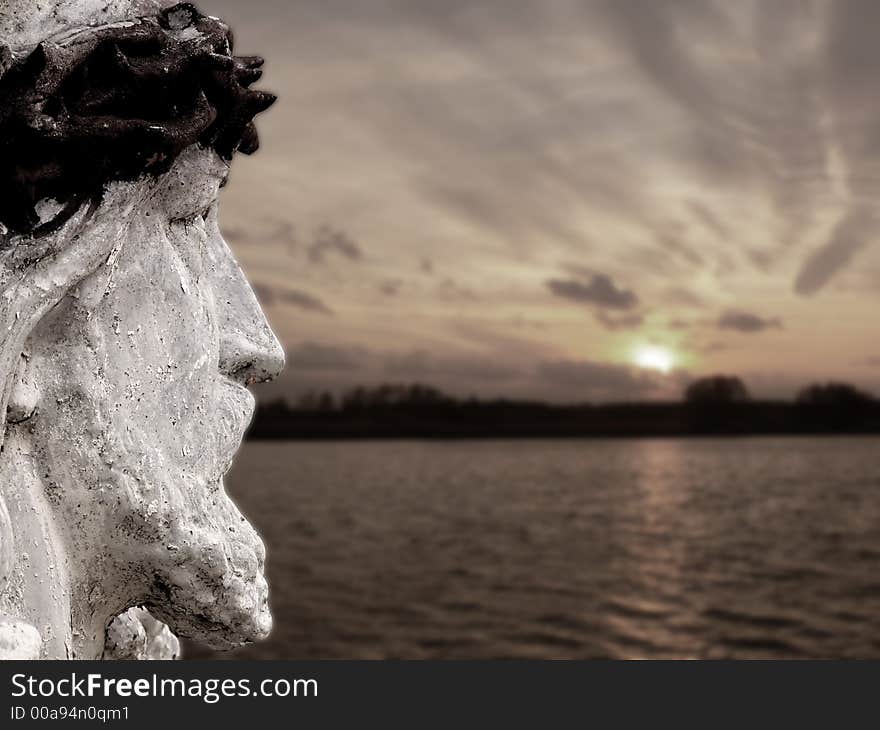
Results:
<point x="132" y="338"/>
<point x="141" y="402"/>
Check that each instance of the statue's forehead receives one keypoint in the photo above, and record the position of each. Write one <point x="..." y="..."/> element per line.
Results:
<point x="25" y="23"/>
<point x="192" y="184"/>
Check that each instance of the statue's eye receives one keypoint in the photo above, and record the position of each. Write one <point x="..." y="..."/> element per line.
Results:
<point x="196" y="219"/>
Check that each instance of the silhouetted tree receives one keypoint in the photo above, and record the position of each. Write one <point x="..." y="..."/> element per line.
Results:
<point x="716" y="390"/>
<point x="308" y="401"/>
<point x="394" y="396"/>
<point x="833" y="394"/>
<point x="326" y="402"/>
<point x="425" y="395"/>
<point x="355" y="399"/>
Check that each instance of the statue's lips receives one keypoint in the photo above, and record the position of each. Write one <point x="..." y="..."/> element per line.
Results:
<point x="235" y="409"/>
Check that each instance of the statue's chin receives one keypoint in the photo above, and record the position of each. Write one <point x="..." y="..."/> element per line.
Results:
<point x="239" y="615"/>
<point x="209" y="584"/>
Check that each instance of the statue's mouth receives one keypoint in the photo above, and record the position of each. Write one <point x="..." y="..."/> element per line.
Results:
<point x="234" y="413"/>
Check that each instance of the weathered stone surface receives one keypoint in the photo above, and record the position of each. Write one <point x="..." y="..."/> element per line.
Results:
<point x="18" y="641"/>
<point x="129" y="335"/>
<point x="137" y="635"/>
<point x="24" y="23"/>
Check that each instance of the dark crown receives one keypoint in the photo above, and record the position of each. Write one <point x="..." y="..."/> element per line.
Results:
<point x="118" y="102"/>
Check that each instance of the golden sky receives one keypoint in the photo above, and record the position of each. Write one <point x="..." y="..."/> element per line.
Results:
<point x="523" y="198"/>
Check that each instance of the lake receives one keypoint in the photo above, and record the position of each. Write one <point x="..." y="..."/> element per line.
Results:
<point x="689" y="548"/>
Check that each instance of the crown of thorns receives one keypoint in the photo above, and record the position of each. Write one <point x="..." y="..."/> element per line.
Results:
<point x="116" y="102"/>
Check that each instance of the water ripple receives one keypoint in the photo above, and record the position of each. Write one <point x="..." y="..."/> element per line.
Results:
<point x="744" y="548"/>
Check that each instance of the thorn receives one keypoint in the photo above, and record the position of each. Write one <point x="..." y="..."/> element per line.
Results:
<point x="251" y="61"/>
<point x="258" y="101"/>
<point x="247" y="76"/>
<point x="219" y="62"/>
<point x="250" y="141"/>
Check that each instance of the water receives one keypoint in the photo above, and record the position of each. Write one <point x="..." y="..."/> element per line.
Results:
<point x="727" y="548"/>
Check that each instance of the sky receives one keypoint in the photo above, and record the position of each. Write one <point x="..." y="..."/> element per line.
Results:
<point x="571" y="200"/>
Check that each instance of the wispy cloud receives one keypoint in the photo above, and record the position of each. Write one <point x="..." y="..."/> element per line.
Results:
<point x="600" y="291"/>
<point x="391" y="287"/>
<point x="600" y="381"/>
<point x="271" y="296"/>
<point x="619" y="322"/>
<point x="330" y="240"/>
<point x="851" y="235"/>
<point x="746" y="322"/>
<point x="468" y="148"/>
<point x="321" y="356"/>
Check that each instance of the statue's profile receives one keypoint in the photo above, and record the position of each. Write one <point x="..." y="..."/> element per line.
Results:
<point x="128" y="333"/>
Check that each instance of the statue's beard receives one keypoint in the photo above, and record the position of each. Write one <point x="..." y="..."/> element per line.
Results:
<point x="209" y="584"/>
<point x="212" y="588"/>
<point x="200" y="560"/>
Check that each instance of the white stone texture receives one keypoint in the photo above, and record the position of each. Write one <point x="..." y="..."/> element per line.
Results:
<point x="127" y="340"/>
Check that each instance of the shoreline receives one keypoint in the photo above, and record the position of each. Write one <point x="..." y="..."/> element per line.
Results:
<point x="512" y="420"/>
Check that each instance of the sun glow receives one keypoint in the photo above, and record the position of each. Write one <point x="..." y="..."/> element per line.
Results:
<point x="652" y="357"/>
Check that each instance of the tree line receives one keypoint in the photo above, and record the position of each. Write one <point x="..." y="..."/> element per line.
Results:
<point x="712" y="390"/>
<point x="719" y="404"/>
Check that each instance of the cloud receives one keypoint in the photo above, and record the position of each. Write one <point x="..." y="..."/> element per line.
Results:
<point x="306" y="301"/>
<point x="451" y="290"/>
<point x="486" y="141"/>
<point x="391" y="287"/>
<point x="622" y="322"/>
<point x="330" y="240"/>
<point x="850" y="236"/>
<point x="265" y="293"/>
<point x="707" y="217"/>
<point x="672" y="243"/>
<point x="233" y="234"/>
<point x="599" y="381"/>
<point x="741" y="321"/>
<point x="710" y="348"/>
<point x="280" y="233"/>
<point x="322" y="357"/>
<point x="315" y="364"/>
<point x="600" y="291"/>
<point x="270" y="296"/>
<point x="421" y="364"/>
<point x="520" y="322"/>
<point x="679" y="296"/>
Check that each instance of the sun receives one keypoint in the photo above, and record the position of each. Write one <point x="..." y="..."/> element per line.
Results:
<point x="653" y="357"/>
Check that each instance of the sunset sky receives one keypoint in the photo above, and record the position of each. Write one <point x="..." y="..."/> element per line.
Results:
<point x="564" y="199"/>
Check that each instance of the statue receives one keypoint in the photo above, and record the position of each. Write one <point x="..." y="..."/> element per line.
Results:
<point x="129" y="333"/>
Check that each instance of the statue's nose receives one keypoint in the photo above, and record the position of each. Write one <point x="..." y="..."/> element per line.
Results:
<point x="250" y="360"/>
<point x="249" y="350"/>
